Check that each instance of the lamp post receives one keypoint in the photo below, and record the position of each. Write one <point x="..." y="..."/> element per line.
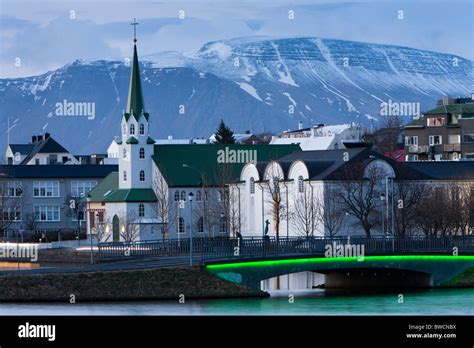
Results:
<point x="88" y="200"/>
<point x="203" y="195"/>
<point x="190" y="197"/>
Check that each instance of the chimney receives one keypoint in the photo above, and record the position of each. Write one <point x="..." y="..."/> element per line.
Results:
<point x="445" y="100"/>
<point x="33" y="139"/>
<point x="300" y="125"/>
<point x="247" y="132"/>
<point x="46" y="136"/>
<point x="170" y="137"/>
<point x="40" y="138"/>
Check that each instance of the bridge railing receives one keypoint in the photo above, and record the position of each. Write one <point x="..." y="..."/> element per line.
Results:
<point x="256" y="248"/>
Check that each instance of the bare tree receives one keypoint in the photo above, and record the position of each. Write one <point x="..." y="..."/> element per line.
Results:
<point x="306" y="212"/>
<point x="130" y="228"/>
<point x="385" y="137"/>
<point x="331" y="214"/>
<point x="273" y="196"/>
<point x="360" y="193"/>
<point x="165" y="209"/>
<point x="76" y="209"/>
<point x="9" y="202"/>
<point x="409" y="195"/>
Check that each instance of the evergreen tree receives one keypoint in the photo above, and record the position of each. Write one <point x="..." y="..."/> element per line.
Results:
<point x="224" y="135"/>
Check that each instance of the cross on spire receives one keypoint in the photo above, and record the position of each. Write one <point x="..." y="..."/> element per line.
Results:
<point x="134" y="23"/>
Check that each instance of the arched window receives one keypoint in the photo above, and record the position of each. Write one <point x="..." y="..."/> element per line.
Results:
<point x="176" y="196"/>
<point x="124" y="175"/>
<point x="141" y="210"/>
<point x="183" y="196"/>
<point x="142" y="175"/>
<point x="124" y="153"/>
<point x="124" y="129"/>
<point x="223" y="225"/>
<point x="142" y="153"/>
<point x="276" y="185"/>
<point x="252" y="185"/>
<point x="300" y="184"/>
<point x="132" y="129"/>
<point x="181" y="227"/>
<point x="198" y="196"/>
<point x="200" y="225"/>
<point x="142" y="129"/>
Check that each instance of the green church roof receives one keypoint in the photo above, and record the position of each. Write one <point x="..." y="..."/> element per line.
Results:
<point x="203" y="159"/>
<point x="131" y="195"/>
<point x="135" y="103"/>
<point x="132" y="140"/>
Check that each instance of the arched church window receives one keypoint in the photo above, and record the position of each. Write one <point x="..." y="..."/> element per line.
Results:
<point x="142" y="129"/>
<point x="300" y="184"/>
<point x="183" y="196"/>
<point x="252" y="185"/>
<point x="142" y="153"/>
<point x="124" y="153"/>
<point x="142" y="175"/>
<point x="124" y="175"/>
<point x="124" y="129"/>
<point x="132" y="129"/>
<point x="176" y="196"/>
<point x="141" y="210"/>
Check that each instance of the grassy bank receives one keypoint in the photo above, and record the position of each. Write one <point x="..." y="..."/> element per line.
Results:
<point x="149" y="284"/>
<point x="465" y="279"/>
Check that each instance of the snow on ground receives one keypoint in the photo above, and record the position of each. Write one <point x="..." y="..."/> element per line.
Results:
<point x="288" y="95"/>
<point x="249" y="89"/>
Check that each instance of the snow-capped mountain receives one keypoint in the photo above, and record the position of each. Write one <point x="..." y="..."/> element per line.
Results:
<point x="258" y="84"/>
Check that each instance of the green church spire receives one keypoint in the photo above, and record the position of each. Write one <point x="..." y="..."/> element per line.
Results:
<point x="135" y="104"/>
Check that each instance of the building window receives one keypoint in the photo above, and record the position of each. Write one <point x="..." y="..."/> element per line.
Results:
<point x="276" y="185"/>
<point x="141" y="210"/>
<point x="124" y="175"/>
<point x="124" y="129"/>
<point x="81" y="188"/>
<point x="181" y="226"/>
<point x="435" y="140"/>
<point x="468" y="138"/>
<point x="142" y="129"/>
<point x="183" y="196"/>
<point x="198" y="196"/>
<point x="142" y="175"/>
<point x="200" y="225"/>
<point x="411" y="140"/>
<point x="10" y="189"/>
<point x="300" y="184"/>
<point x="206" y="196"/>
<point x="435" y="121"/>
<point x="11" y="214"/>
<point x="124" y="153"/>
<point x="411" y="157"/>
<point x="132" y="129"/>
<point x="252" y="185"/>
<point x="455" y="139"/>
<point x="176" y="196"/>
<point x="223" y="225"/>
<point x="47" y="212"/>
<point x="46" y="189"/>
<point x="81" y="216"/>
<point x="142" y="153"/>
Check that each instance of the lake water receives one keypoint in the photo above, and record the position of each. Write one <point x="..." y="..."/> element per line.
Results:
<point x="306" y="302"/>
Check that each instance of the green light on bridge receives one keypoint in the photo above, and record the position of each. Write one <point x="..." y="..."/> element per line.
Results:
<point x="385" y="258"/>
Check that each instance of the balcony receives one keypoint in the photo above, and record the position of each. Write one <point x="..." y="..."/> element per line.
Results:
<point x="418" y="149"/>
<point x="452" y="147"/>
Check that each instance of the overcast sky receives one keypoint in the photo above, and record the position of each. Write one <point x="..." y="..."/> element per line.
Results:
<point x="45" y="35"/>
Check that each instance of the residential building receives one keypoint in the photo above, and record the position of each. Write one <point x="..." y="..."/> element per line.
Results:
<point x="322" y="137"/>
<point x="444" y="133"/>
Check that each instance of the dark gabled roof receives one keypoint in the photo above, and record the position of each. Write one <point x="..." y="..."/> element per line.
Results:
<point x="203" y="159"/>
<point x="57" y="171"/>
<point x="48" y="145"/>
<point x="132" y="140"/>
<point x="150" y="140"/>
<point x="444" y="170"/>
<point x="464" y="108"/>
<point x="22" y="149"/>
<point x="131" y="195"/>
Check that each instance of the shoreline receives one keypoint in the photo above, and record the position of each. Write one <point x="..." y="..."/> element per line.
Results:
<point x="176" y="283"/>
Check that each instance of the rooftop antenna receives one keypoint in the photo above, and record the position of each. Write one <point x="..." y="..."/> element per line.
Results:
<point x="134" y="23"/>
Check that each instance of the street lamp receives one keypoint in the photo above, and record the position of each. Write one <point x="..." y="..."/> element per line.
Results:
<point x="382" y="198"/>
<point x="88" y="200"/>
<point x="190" y="198"/>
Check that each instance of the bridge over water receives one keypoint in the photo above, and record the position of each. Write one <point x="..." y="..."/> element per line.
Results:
<point x="357" y="262"/>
